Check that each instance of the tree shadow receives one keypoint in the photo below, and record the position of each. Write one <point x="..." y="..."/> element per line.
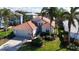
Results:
<point x="63" y="43"/>
<point x="28" y="47"/>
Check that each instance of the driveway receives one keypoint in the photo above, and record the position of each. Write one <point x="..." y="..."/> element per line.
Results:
<point x="13" y="44"/>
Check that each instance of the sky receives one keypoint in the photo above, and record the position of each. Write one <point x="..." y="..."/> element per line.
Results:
<point x="31" y="9"/>
<point x="28" y="9"/>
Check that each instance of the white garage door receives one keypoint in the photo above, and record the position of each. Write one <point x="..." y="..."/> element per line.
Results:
<point x="22" y="33"/>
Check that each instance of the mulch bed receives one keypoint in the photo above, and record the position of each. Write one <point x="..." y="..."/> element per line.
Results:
<point x="2" y="41"/>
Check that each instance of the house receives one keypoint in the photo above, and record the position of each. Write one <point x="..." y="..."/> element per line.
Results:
<point x="74" y="32"/>
<point x="16" y="20"/>
<point x="46" y="28"/>
<point x="1" y="23"/>
<point x="43" y="24"/>
<point x="73" y="29"/>
<point x="25" y="30"/>
<point x="32" y="28"/>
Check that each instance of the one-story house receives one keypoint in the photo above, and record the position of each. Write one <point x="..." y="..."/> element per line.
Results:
<point x="30" y="28"/>
<point x="25" y="30"/>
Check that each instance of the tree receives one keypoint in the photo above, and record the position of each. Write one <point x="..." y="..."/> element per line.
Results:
<point x="6" y="14"/>
<point x="70" y="16"/>
<point x="50" y="12"/>
<point x="37" y="42"/>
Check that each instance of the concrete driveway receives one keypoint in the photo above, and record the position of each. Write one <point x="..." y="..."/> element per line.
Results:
<point x="13" y="44"/>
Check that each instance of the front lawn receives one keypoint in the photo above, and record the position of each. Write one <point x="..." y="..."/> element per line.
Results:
<point x="4" y="34"/>
<point x="47" y="46"/>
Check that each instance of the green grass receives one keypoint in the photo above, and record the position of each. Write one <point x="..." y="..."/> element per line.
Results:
<point x="47" y="46"/>
<point x="5" y="33"/>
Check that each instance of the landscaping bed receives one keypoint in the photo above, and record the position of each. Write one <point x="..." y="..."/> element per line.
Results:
<point x="2" y="41"/>
<point x="47" y="46"/>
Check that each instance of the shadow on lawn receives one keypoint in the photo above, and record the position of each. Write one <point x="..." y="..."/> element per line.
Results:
<point x="28" y="47"/>
<point x="63" y="44"/>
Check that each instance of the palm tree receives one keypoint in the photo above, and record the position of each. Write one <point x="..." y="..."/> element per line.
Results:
<point x="50" y="12"/>
<point x="44" y="12"/>
<point x="6" y="14"/>
<point x="71" y="16"/>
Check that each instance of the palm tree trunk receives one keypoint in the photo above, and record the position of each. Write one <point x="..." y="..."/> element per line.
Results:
<point x="69" y="33"/>
<point x="69" y="37"/>
<point x="78" y="28"/>
<point x="6" y="24"/>
<point x="50" y="27"/>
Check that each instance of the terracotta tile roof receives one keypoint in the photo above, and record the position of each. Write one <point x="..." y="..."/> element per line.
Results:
<point x="26" y="26"/>
<point x="46" y="25"/>
<point x="47" y="21"/>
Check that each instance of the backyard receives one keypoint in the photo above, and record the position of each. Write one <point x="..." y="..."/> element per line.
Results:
<point x="47" y="46"/>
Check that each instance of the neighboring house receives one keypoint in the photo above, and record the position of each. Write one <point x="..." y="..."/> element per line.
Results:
<point x="16" y="20"/>
<point x="43" y="24"/>
<point x="20" y="17"/>
<point x="46" y="28"/>
<point x="26" y="30"/>
<point x="74" y="30"/>
<point x="1" y="23"/>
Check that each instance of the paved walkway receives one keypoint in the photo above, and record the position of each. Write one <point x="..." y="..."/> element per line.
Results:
<point x="12" y="45"/>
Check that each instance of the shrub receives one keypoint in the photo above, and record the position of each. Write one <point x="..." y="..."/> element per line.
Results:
<point x="72" y="47"/>
<point x="11" y="35"/>
<point x="76" y="42"/>
<point x="45" y="33"/>
<point x="5" y="34"/>
<point x="49" y="38"/>
<point x="37" y="42"/>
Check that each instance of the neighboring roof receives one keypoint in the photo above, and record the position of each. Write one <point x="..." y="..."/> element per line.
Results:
<point x="46" y="25"/>
<point x="48" y="21"/>
<point x="26" y="26"/>
<point x="45" y="20"/>
<point x="74" y="30"/>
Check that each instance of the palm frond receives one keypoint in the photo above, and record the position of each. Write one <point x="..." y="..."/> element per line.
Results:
<point x="75" y="9"/>
<point x="66" y="13"/>
<point x="77" y="19"/>
<point x="73" y="23"/>
<point x="76" y="13"/>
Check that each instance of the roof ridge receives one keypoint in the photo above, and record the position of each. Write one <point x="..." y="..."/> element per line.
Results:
<point x="44" y="19"/>
<point x="29" y="25"/>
